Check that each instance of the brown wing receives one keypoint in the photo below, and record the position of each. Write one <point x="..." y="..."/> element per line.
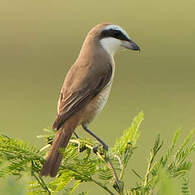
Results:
<point x="72" y="101"/>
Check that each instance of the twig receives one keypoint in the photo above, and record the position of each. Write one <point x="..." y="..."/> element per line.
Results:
<point x="122" y="172"/>
<point x="156" y="148"/>
<point x="106" y="159"/>
<point x="119" y="160"/>
<point x="40" y="180"/>
<point x="149" y="168"/>
<point x="103" y="186"/>
<point x="42" y="183"/>
<point x="93" y="180"/>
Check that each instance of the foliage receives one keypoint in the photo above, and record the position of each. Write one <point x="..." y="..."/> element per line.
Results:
<point x="105" y="169"/>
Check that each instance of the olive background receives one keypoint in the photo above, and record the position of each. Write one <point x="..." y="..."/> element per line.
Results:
<point x="40" y="40"/>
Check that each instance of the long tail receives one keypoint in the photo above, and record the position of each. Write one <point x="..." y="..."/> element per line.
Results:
<point x="61" y="140"/>
<point x="54" y="157"/>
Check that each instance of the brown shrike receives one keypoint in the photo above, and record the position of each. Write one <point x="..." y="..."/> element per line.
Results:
<point x="86" y="88"/>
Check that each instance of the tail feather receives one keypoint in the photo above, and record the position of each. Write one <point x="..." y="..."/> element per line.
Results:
<point x="54" y="158"/>
<point x="61" y="140"/>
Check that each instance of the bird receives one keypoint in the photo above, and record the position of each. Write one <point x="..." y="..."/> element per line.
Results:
<point x="86" y="88"/>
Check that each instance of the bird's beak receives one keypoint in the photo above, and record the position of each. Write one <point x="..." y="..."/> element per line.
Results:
<point x="130" y="45"/>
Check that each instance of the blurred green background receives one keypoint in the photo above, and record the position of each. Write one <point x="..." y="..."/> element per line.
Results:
<point x="40" y="40"/>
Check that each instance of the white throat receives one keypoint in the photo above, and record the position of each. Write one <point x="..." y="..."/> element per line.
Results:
<point x="111" y="45"/>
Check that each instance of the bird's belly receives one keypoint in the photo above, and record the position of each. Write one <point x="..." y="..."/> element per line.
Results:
<point x="96" y="105"/>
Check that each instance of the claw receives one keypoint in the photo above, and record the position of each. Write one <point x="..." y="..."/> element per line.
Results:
<point x="105" y="147"/>
<point x="95" y="149"/>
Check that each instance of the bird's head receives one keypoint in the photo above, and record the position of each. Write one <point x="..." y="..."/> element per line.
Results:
<point x="112" y="37"/>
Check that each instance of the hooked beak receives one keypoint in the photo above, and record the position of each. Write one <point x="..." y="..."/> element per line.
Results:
<point x="130" y="45"/>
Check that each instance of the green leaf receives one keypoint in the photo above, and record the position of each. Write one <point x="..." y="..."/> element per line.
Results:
<point x="130" y="136"/>
<point x="185" y="188"/>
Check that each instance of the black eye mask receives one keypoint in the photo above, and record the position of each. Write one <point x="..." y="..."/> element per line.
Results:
<point x="117" y="34"/>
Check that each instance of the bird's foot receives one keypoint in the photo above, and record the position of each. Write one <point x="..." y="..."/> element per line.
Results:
<point x="97" y="146"/>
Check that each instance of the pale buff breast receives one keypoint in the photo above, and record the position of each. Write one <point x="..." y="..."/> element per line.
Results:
<point x="96" y="105"/>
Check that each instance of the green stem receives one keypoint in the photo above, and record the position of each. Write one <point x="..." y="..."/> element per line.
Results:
<point x="122" y="172"/>
<point x="149" y="168"/>
<point x="114" y="175"/>
<point x="102" y="186"/>
<point x="109" y="164"/>
<point x="91" y="179"/>
<point x="40" y="180"/>
<point x="42" y="183"/>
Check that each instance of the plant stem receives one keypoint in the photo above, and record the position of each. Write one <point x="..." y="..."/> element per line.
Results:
<point x="122" y="172"/>
<point x="39" y="179"/>
<point x="42" y="183"/>
<point x="102" y="186"/>
<point x="109" y="164"/>
<point x="114" y="175"/>
<point x="149" y="168"/>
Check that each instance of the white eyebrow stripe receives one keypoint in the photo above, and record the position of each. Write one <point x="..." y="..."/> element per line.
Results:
<point x="116" y="27"/>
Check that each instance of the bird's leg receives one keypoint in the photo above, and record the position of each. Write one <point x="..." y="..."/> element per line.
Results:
<point x="105" y="146"/>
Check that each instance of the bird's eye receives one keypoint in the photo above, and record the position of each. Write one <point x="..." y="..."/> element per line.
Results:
<point x="116" y="34"/>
